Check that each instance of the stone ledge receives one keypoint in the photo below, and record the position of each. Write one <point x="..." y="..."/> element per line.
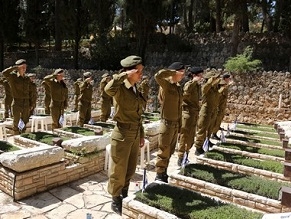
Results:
<point x="135" y="209"/>
<point x="61" y="132"/>
<point x="231" y="195"/>
<point x="255" y="145"/>
<point x="25" y="142"/>
<point x="28" y="159"/>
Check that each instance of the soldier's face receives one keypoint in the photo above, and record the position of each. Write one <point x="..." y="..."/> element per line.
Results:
<point x="138" y="75"/>
<point x="22" y="68"/>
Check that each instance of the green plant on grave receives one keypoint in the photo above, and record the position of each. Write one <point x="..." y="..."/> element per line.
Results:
<point x="6" y="147"/>
<point x="243" y="62"/>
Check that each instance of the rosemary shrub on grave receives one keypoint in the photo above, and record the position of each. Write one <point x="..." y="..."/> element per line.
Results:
<point x="79" y="130"/>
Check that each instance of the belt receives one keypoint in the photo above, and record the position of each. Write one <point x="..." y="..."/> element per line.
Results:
<point x="168" y="122"/>
<point x="130" y="126"/>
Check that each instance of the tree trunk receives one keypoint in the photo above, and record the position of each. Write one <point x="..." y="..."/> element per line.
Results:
<point x="266" y="16"/>
<point x="235" y="35"/>
<point x="1" y="54"/>
<point x="245" y="18"/>
<point x="58" y="38"/>
<point x="77" y="35"/>
<point x="218" y="22"/>
<point x="278" y="12"/>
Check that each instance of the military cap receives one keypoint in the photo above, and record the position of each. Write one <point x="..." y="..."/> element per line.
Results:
<point x="226" y="75"/>
<point x="87" y="74"/>
<point x="79" y="79"/>
<point x="176" y="66"/>
<point x="144" y="77"/>
<point x="211" y="74"/>
<point x="31" y="75"/>
<point x="105" y="75"/>
<point x="131" y="61"/>
<point x="196" y="70"/>
<point x="20" y="62"/>
<point x="58" y="71"/>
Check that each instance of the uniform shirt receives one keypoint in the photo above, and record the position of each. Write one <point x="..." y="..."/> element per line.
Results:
<point x="20" y="85"/>
<point x="210" y="94"/>
<point x="171" y="96"/>
<point x="144" y="88"/>
<point x="34" y="93"/>
<point x="7" y="88"/>
<point x="77" y="87"/>
<point x="46" y="88"/>
<point x="103" y="94"/>
<point x="86" y="90"/>
<point x="191" y="95"/>
<point x="59" y="90"/>
<point x="128" y="104"/>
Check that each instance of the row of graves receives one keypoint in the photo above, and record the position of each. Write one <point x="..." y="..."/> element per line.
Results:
<point x="246" y="174"/>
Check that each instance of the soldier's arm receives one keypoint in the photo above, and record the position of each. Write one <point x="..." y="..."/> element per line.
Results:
<point x="48" y="78"/>
<point x="6" y="72"/>
<point x="114" y="84"/>
<point x="161" y="76"/>
<point x="66" y="98"/>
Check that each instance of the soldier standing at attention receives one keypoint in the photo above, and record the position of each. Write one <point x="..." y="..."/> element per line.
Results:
<point x="47" y="97"/>
<point x="128" y="134"/>
<point x="76" y="94"/>
<point x="144" y="88"/>
<point x="21" y="93"/>
<point x="210" y="99"/>
<point x="171" y="112"/>
<point x="7" y="98"/>
<point x="190" y="111"/>
<point x="59" y="95"/>
<point x="106" y="100"/>
<point x="34" y="92"/>
<point x="85" y="105"/>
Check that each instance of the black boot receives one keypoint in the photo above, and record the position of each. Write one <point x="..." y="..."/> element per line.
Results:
<point x="162" y="177"/>
<point x="124" y="192"/>
<point x="116" y="205"/>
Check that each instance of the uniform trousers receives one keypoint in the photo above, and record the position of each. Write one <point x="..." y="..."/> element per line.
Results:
<point x="84" y="112"/>
<point x="76" y="101"/>
<point x="47" y="102"/>
<point x="218" y="120"/>
<point x="125" y="147"/>
<point x="57" y="109"/>
<point x="168" y="133"/>
<point x="20" y="111"/>
<point x="188" y="131"/>
<point x="105" y="109"/>
<point x="8" y="101"/>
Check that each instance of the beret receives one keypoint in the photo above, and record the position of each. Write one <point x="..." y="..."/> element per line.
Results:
<point x="105" y="75"/>
<point x="211" y="74"/>
<point x="226" y="75"/>
<point x="87" y="74"/>
<point x="176" y="66"/>
<point x="58" y="71"/>
<point x="196" y="70"/>
<point x="79" y="79"/>
<point x="31" y="75"/>
<point x="131" y="61"/>
<point x="20" y="62"/>
<point x="144" y="77"/>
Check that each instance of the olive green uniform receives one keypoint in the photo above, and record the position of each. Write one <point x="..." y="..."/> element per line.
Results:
<point x="22" y="96"/>
<point x="59" y="99"/>
<point x="76" y="94"/>
<point x="144" y="88"/>
<point x="210" y="100"/>
<point x="34" y="97"/>
<point x="7" y="98"/>
<point x="223" y="91"/>
<point x="125" y="138"/>
<point x="171" y="112"/>
<point x="190" y="111"/>
<point x="86" y="90"/>
<point x="47" y="97"/>
<point x="106" y="101"/>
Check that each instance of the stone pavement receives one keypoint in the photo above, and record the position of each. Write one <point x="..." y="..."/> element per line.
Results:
<point x="75" y="199"/>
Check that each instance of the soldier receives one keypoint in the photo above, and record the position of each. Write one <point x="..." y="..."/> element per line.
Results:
<point x="106" y="100"/>
<point x="171" y="113"/>
<point x="34" y="91"/>
<point x="208" y="109"/>
<point x="7" y="98"/>
<point x="223" y="85"/>
<point x="128" y="134"/>
<point x="59" y="95"/>
<point x="144" y="88"/>
<point x="190" y="111"/>
<point x="21" y="93"/>
<point x="85" y="105"/>
<point x="77" y="84"/>
<point x="47" y="97"/>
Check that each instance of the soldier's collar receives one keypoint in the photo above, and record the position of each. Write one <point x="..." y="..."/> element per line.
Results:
<point x="127" y="84"/>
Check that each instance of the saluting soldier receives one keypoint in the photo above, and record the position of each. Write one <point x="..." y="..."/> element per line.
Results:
<point x="106" y="100"/>
<point x="47" y="97"/>
<point x="190" y="111"/>
<point x="144" y="88"/>
<point x="128" y="134"/>
<point x="85" y="105"/>
<point x="77" y="93"/>
<point x="33" y="91"/>
<point x="210" y="99"/>
<point x="21" y="93"/>
<point x="7" y="98"/>
<point x="170" y="94"/>
<point x="59" y="95"/>
<point x="223" y="89"/>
